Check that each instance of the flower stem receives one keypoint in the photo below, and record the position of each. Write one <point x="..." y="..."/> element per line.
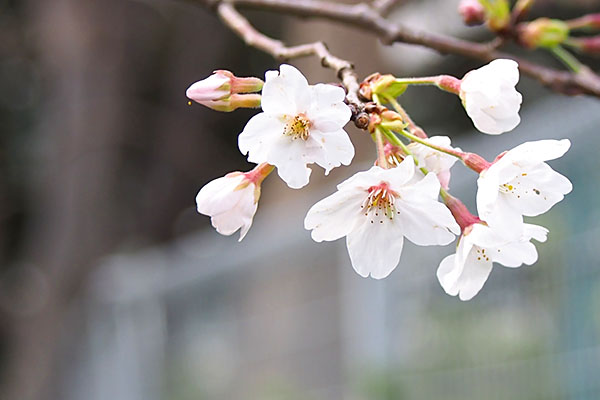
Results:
<point x="397" y="142"/>
<point x="459" y="211"/>
<point x="422" y="141"/>
<point x="567" y="58"/>
<point x="381" y="159"/>
<point x="259" y="173"/>
<point x="444" y="82"/>
<point x="414" y="128"/>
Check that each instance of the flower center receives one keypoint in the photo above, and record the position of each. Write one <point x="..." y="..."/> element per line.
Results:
<point x="297" y="127"/>
<point x="379" y="204"/>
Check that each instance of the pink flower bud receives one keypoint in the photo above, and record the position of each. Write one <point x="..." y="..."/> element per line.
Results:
<point x="221" y="91"/>
<point x="215" y="87"/>
<point x="472" y="12"/>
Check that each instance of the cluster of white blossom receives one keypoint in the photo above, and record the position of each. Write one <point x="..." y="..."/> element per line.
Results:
<point x="398" y="197"/>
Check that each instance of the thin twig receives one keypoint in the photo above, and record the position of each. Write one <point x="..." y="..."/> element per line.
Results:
<point x="365" y="17"/>
<point x="343" y="69"/>
<point x="384" y="7"/>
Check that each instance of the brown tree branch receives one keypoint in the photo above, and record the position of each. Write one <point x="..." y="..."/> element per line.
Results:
<point x="343" y="69"/>
<point x="384" y="7"/>
<point x="364" y="16"/>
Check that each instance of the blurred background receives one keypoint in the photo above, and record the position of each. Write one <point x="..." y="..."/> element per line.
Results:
<point x="113" y="287"/>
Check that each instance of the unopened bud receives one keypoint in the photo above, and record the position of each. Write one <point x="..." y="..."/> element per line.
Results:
<point x="392" y="121"/>
<point x="381" y="85"/>
<point x="497" y="14"/>
<point x="223" y="91"/>
<point x="543" y="32"/>
<point x="472" y="12"/>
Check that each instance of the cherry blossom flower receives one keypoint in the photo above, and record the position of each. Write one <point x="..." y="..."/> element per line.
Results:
<point x="300" y="124"/>
<point x="490" y="98"/>
<point x="465" y="272"/>
<point x="376" y="209"/>
<point x="521" y="183"/>
<point x="435" y="161"/>
<point x="231" y="201"/>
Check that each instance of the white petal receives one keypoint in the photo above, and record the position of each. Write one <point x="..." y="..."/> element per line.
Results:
<point x="538" y="191"/>
<point x="335" y="216"/>
<point x="490" y="97"/>
<point x="258" y="136"/>
<point x="327" y="111"/>
<point x="401" y="175"/>
<point x="229" y="206"/>
<point x="374" y="249"/>
<point x="425" y="221"/>
<point x="428" y="223"/>
<point x="209" y="89"/>
<point x="331" y="149"/>
<point x="536" y="232"/>
<point x="508" y="68"/>
<point x="285" y="94"/>
<point x="487" y="190"/>
<point x="538" y="151"/>
<point x="465" y="272"/>
<point x="428" y="187"/>
<point x="237" y="217"/>
<point x="474" y="275"/>
<point x="504" y="219"/>
<point x="515" y="254"/>
<point x="448" y="273"/>
<point x="264" y="141"/>
<point x="486" y="237"/>
<point x="433" y="160"/>
<point x="219" y="195"/>
<point x="364" y="179"/>
<point x="293" y="171"/>
<point x="483" y="122"/>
